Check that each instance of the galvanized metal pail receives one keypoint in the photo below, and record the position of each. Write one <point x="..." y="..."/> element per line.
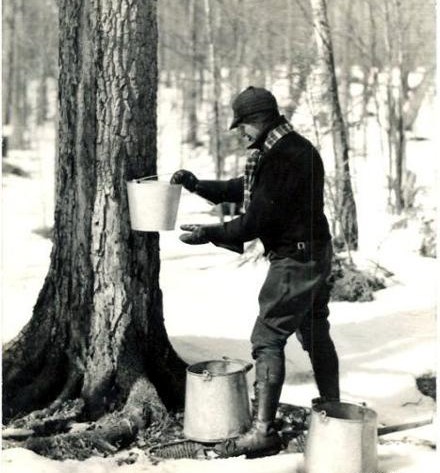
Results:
<point x="153" y="205"/>
<point x="217" y="400"/>
<point x="342" y="438"/>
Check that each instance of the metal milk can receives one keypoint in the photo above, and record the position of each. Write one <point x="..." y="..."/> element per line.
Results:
<point x="342" y="438"/>
<point x="216" y="400"/>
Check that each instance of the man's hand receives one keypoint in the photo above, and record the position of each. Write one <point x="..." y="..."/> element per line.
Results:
<point x="196" y="235"/>
<point x="186" y="178"/>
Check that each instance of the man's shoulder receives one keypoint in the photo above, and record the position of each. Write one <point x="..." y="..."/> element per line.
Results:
<point x="294" y="145"/>
<point x="299" y="140"/>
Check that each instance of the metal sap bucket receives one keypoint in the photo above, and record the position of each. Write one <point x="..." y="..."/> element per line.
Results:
<point x="153" y="205"/>
<point x="217" y="400"/>
<point x="342" y="438"/>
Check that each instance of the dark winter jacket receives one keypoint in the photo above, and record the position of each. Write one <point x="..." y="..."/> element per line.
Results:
<point x="286" y="205"/>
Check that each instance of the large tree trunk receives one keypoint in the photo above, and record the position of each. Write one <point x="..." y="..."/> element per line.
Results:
<point x="345" y="204"/>
<point x="97" y="329"/>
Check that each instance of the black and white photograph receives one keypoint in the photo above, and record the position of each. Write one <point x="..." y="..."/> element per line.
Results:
<point x="219" y="226"/>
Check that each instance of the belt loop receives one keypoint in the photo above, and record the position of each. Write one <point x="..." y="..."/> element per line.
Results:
<point x="301" y="245"/>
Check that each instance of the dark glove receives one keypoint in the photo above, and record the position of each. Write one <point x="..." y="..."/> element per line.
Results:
<point x="199" y="235"/>
<point x="196" y="236"/>
<point x="186" y="178"/>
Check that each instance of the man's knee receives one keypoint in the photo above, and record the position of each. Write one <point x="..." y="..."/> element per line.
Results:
<point x="314" y="335"/>
<point x="265" y="337"/>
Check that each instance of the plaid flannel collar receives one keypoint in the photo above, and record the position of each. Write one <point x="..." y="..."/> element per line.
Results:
<point x="270" y="136"/>
<point x="276" y="134"/>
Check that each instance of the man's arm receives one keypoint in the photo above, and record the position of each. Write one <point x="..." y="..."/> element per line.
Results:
<point x="271" y="201"/>
<point x="260" y="215"/>
<point x="214" y="191"/>
<point x="221" y="191"/>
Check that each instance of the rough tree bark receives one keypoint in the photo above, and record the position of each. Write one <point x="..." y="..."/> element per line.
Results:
<point x="345" y="203"/>
<point x="97" y="330"/>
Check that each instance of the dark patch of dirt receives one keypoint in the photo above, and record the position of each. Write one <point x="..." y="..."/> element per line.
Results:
<point x="353" y="284"/>
<point x="426" y="384"/>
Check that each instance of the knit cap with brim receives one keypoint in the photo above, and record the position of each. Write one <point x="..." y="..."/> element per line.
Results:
<point x="251" y="100"/>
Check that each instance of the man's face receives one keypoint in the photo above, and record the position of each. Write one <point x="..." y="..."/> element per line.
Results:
<point x="248" y="131"/>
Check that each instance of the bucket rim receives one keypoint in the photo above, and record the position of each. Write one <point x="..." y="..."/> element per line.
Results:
<point x="319" y="408"/>
<point x="244" y="369"/>
<point x="162" y="183"/>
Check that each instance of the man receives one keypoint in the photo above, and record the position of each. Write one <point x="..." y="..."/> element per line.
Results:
<point x="282" y="192"/>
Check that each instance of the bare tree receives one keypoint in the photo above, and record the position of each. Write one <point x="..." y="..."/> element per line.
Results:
<point x="403" y="102"/>
<point x="345" y="203"/>
<point x="18" y="85"/>
<point x="9" y="17"/>
<point x="216" y="88"/>
<point x="390" y="40"/>
<point x="193" y="89"/>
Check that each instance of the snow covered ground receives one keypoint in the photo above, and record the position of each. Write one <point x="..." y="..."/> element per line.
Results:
<point x="210" y="303"/>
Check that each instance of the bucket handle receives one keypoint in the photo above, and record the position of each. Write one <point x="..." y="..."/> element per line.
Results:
<point x="323" y="413"/>
<point x="206" y="375"/>
<point x="323" y="416"/>
<point x="141" y="179"/>
<point x="246" y="366"/>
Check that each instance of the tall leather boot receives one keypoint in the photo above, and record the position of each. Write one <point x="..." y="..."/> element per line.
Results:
<point x="262" y="439"/>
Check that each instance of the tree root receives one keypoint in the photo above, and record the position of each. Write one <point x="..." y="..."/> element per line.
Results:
<point x="82" y="445"/>
<point x="53" y="419"/>
<point x="108" y="435"/>
<point x="116" y="430"/>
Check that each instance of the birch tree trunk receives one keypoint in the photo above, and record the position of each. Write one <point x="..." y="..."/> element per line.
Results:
<point x="345" y="203"/>
<point x="97" y="328"/>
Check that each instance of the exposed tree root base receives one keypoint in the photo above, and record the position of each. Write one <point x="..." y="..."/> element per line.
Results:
<point x="49" y="421"/>
<point x="100" y="439"/>
<point x="159" y="435"/>
<point x="58" y="435"/>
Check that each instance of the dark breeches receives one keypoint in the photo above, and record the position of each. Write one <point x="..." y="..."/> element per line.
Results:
<point x="294" y="298"/>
